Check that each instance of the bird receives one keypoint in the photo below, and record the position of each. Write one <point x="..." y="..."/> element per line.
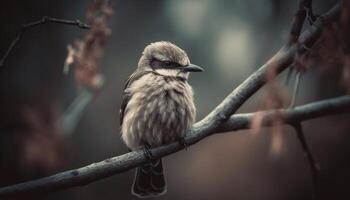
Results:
<point x="157" y="108"/>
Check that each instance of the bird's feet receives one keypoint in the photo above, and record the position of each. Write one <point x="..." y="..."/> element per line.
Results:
<point x="182" y="141"/>
<point x="147" y="152"/>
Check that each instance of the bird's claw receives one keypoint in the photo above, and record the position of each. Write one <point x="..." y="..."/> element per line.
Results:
<point x="147" y="152"/>
<point x="182" y="141"/>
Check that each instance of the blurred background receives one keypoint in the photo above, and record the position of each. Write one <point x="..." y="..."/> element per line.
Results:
<point x="230" y="39"/>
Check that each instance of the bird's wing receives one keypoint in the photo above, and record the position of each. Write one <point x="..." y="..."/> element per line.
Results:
<point x="126" y="96"/>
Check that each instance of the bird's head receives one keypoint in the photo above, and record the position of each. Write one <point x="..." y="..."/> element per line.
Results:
<point x="167" y="59"/>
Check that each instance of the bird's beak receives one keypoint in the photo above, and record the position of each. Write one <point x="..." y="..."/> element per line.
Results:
<point x="192" y="68"/>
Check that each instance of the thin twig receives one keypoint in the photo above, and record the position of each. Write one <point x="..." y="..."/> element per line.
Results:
<point x="43" y="20"/>
<point x="311" y="17"/>
<point x="314" y="167"/>
<point x="295" y="89"/>
<point x="304" y="10"/>
<point x="122" y="163"/>
<point x="296" y="27"/>
<point x="298" y="21"/>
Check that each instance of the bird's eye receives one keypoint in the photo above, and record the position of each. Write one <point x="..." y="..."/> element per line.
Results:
<point x="167" y="63"/>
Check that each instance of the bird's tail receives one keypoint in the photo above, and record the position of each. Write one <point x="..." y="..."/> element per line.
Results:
<point x="149" y="180"/>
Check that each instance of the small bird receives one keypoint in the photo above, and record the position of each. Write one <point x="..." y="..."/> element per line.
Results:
<point x="157" y="109"/>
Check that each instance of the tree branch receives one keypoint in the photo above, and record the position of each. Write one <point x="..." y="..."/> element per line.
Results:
<point x="30" y="25"/>
<point x="314" y="168"/>
<point x="298" y="21"/>
<point x="71" y="115"/>
<point x="304" y="10"/>
<point x="289" y="116"/>
<point x="108" y="167"/>
<point x="220" y="117"/>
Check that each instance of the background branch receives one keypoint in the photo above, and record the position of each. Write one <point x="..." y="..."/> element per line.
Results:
<point x="305" y="9"/>
<point x="72" y="114"/>
<point x="307" y="154"/>
<point x="30" y="25"/>
<point x="279" y="62"/>
<point x="298" y="21"/>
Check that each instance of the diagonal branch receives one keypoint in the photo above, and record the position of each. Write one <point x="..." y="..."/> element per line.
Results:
<point x="108" y="167"/>
<point x="212" y="123"/>
<point x="30" y="25"/>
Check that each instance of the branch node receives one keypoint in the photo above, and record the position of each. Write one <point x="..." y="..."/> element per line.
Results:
<point x="44" y="19"/>
<point x="222" y="117"/>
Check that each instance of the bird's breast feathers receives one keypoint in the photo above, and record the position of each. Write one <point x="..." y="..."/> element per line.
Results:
<point x="159" y="110"/>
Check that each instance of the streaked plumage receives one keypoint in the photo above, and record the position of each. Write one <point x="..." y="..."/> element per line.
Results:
<point x="157" y="108"/>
